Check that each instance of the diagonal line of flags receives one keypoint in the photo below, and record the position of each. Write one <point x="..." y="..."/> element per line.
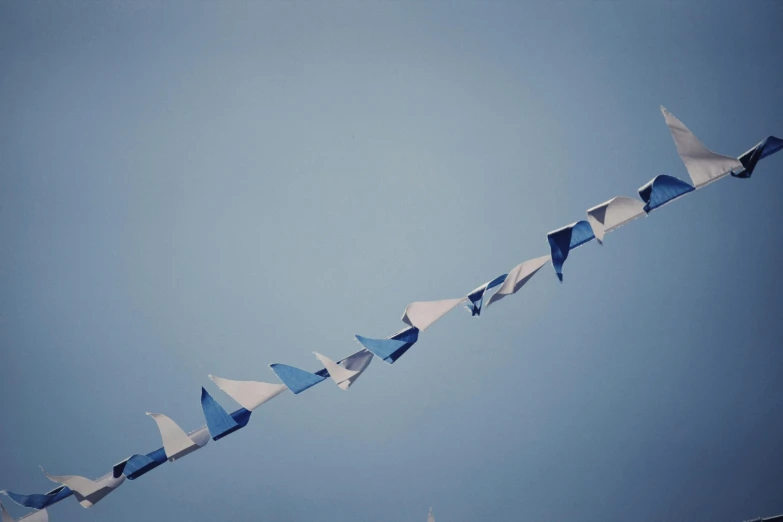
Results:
<point x="703" y="166"/>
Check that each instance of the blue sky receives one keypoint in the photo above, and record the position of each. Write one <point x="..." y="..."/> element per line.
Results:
<point x="197" y="188"/>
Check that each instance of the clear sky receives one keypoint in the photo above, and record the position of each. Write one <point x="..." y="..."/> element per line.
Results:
<point x="199" y="187"/>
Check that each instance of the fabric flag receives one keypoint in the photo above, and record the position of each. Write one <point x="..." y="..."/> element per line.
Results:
<point x="662" y="190"/>
<point x="88" y="492"/>
<point x="35" y="516"/>
<point x="249" y="394"/>
<point x="176" y="442"/>
<point x="476" y="297"/>
<point x="391" y="348"/>
<point x="611" y="215"/>
<point x="39" y="500"/>
<point x="357" y="362"/>
<point x="422" y="314"/>
<point x="563" y="240"/>
<point x="768" y="146"/>
<point x="295" y="379"/>
<point x="337" y="373"/>
<point x="219" y="422"/>
<point x="703" y="165"/>
<point x="517" y="278"/>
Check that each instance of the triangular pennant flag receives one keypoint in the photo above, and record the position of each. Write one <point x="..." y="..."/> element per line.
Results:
<point x="563" y="240"/>
<point x="176" y="442"/>
<point x="703" y="165"/>
<point x="422" y="314"/>
<point x="88" y="492"/>
<point x="337" y="373"/>
<point x="357" y="362"/>
<point x="249" y="394"/>
<point x="517" y="278"/>
<point x="219" y="422"/>
<point x="391" y="348"/>
<point x="662" y="190"/>
<point x="295" y="379"/>
<point x="611" y="215"/>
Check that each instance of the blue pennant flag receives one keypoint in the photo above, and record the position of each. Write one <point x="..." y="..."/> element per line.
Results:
<point x="563" y="240"/>
<point x="661" y="190"/>
<point x="297" y="380"/>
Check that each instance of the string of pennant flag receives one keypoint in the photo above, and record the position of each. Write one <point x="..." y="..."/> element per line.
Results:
<point x="703" y="167"/>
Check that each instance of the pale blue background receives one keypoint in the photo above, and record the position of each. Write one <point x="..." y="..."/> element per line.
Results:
<point x="193" y="187"/>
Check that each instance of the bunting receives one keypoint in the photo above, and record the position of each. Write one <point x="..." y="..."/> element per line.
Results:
<point x="703" y="167"/>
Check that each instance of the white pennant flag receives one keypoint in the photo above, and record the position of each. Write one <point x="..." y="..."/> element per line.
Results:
<point x="249" y="394"/>
<point x="88" y="492"/>
<point x="613" y="214"/>
<point x="704" y="166"/>
<point x="338" y="374"/>
<point x="422" y="314"/>
<point x="517" y="277"/>
<point x="177" y="443"/>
